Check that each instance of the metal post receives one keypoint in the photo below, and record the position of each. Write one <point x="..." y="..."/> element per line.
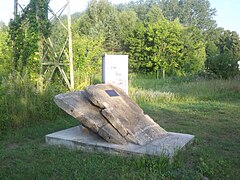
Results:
<point x="59" y="58"/>
<point x="70" y="48"/>
<point x="40" y="49"/>
<point x="15" y="8"/>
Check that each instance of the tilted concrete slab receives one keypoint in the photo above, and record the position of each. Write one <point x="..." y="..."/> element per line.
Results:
<point x="108" y="111"/>
<point x="80" y="138"/>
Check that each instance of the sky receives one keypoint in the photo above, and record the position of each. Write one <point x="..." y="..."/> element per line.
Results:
<point x="228" y="15"/>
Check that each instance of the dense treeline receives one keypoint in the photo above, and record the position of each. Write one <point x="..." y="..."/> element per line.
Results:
<point x="177" y="37"/>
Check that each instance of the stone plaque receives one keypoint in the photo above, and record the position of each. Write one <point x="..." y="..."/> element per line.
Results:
<point x="111" y="93"/>
<point x="115" y="71"/>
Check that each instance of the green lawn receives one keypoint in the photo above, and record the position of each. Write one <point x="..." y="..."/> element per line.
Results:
<point x="207" y="109"/>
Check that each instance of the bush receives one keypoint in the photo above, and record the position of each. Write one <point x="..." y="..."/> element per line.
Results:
<point x="222" y="65"/>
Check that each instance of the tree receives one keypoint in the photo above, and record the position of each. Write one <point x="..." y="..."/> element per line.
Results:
<point x="189" y="12"/>
<point x="25" y="32"/>
<point x="87" y="58"/>
<point x="135" y="46"/>
<point x="194" y="51"/>
<point x="168" y="46"/>
<point x="5" y="52"/>
<point x="170" y="9"/>
<point x="223" y="53"/>
<point x="128" y="20"/>
<point x="222" y="65"/>
<point x="101" y="18"/>
<point x="197" y="13"/>
<point x="154" y="14"/>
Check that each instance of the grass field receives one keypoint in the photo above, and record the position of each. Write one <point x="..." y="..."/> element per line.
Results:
<point x="207" y="109"/>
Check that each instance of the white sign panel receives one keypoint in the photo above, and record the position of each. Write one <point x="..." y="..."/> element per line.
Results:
<point x="115" y="70"/>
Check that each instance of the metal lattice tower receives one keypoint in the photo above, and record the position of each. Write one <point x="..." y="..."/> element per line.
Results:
<point x="61" y="54"/>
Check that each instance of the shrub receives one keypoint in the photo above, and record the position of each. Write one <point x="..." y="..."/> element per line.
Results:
<point x="223" y="65"/>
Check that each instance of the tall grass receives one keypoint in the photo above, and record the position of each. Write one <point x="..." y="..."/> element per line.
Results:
<point x="22" y="104"/>
<point x="151" y="96"/>
<point x="183" y="90"/>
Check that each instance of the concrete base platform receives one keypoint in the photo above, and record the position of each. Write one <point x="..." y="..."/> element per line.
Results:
<point x="80" y="138"/>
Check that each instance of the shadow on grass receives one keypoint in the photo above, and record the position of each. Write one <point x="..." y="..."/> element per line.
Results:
<point x="215" y="151"/>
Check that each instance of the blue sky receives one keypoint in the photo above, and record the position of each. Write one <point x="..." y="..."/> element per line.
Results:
<point x="228" y="11"/>
<point x="228" y="14"/>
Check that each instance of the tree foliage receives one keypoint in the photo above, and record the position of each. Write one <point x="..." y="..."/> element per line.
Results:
<point x="189" y="12"/>
<point x="87" y="60"/>
<point x="25" y="32"/>
<point x="168" y="46"/>
<point x="197" y="13"/>
<point x="102" y="18"/>
<point x="223" y="53"/>
<point x="5" y="52"/>
<point x="176" y="36"/>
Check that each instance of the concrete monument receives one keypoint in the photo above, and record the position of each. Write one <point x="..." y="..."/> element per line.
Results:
<point x="112" y="123"/>
<point x="115" y="71"/>
<point x="108" y="111"/>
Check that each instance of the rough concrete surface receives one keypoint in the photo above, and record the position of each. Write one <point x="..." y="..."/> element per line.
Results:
<point x="80" y="138"/>
<point x="108" y="110"/>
